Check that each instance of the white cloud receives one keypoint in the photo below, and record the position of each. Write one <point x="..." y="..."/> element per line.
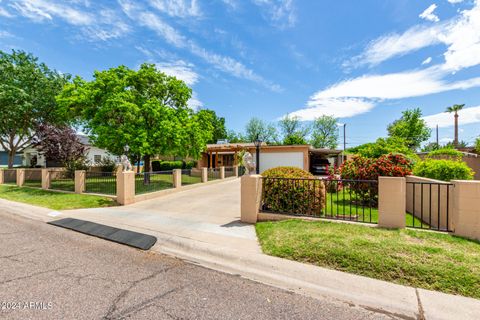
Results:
<point x="172" y="36"/>
<point x="281" y="13"/>
<point x="194" y="103"/>
<point x="4" y="12"/>
<point x="40" y="10"/>
<point x="179" y="69"/>
<point x="337" y="107"/>
<point x="445" y="119"/>
<point x="455" y="1"/>
<point x="429" y="15"/>
<point x="395" y="45"/>
<point x="5" y="34"/>
<point x="177" y="8"/>
<point x="427" y="61"/>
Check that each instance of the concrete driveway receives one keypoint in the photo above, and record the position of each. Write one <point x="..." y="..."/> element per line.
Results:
<point x="208" y="213"/>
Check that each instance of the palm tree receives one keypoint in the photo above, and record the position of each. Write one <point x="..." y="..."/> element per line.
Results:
<point x="455" y="108"/>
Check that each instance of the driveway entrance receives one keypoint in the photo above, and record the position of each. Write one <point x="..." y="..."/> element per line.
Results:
<point x="210" y="213"/>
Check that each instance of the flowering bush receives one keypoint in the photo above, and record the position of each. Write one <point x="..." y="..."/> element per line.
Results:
<point x="292" y="190"/>
<point x="361" y="168"/>
<point x="332" y="182"/>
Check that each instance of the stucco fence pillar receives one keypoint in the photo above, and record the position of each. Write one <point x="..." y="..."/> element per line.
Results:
<point x="126" y="187"/>
<point x="204" y="174"/>
<point x="20" y="177"/>
<point x="391" y="202"/>
<point x="177" y="178"/>
<point x="2" y="176"/>
<point x="251" y="196"/>
<point x="222" y="172"/>
<point x="45" y="179"/>
<point x="80" y="181"/>
<point x="466" y="209"/>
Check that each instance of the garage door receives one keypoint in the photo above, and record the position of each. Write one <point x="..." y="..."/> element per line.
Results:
<point x="280" y="159"/>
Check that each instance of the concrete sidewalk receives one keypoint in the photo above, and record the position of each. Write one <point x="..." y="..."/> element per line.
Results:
<point x="219" y="243"/>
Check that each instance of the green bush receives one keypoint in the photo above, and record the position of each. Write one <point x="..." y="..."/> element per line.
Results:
<point x="384" y="146"/>
<point x="189" y="164"/>
<point x="293" y="196"/>
<point x="442" y="169"/>
<point x="446" y="152"/>
<point x="106" y="164"/>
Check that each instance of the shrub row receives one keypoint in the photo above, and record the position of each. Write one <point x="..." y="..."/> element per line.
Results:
<point x="160" y="165"/>
<point x="443" y="169"/>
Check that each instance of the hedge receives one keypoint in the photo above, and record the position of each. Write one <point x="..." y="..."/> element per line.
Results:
<point x="442" y="169"/>
<point x="161" y="165"/>
<point x="293" y="196"/>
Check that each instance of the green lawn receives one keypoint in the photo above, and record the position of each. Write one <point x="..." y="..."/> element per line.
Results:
<point x="430" y="260"/>
<point x="160" y="182"/>
<point x="346" y="204"/>
<point x="53" y="200"/>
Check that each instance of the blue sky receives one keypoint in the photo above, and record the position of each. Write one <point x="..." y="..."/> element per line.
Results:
<point x="361" y="61"/>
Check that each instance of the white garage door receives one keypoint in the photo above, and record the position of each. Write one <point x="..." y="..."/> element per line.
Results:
<point x="280" y="159"/>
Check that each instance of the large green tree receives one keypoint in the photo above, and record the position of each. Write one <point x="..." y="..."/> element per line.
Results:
<point x="27" y="99"/>
<point x="218" y="129"/>
<point x="410" y="127"/>
<point x="145" y="109"/>
<point x="325" y="132"/>
<point x="257" y="128"/>
<point x="293" y="131"/>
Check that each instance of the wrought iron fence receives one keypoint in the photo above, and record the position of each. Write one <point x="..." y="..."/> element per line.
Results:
<point x="101" y="182"/>
<point x="153" y="181"/>
<point x="10" y="176"/>
<point x="430" y="205"/>
<point x="229" y="172"/>
<point x="191" y="176"/>
<point x="33" y="178"/>
<point x="353" y="200"/>
<point x="213" y="174"/>
<point x="61" y="180"/>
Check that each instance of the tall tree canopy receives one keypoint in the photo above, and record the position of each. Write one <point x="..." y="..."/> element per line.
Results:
<point x="293" y="131"/>
<point x="145" y="109"/>
<point x="218" y="129"/>
<point x="325" y="132"/>
<point x="27" y="99"/>
<point x="259" y="128"/>
<point x="410" y="127"/>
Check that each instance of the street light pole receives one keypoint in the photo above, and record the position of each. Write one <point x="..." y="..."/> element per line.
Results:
<point x="257" y="144"/>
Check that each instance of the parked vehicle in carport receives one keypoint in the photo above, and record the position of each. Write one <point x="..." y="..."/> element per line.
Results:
<point x="320" y="167"/>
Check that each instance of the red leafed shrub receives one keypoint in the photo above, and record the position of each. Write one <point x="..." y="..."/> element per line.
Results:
<point x="292" y="190"/>
<point x="361" y="168"/>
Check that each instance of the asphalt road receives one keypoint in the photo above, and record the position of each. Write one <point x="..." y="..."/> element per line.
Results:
<point x="51" y="273"/>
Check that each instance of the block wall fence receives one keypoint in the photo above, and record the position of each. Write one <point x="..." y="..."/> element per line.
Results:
<point x="392" y="204"/>
<point x="125" y="181"/>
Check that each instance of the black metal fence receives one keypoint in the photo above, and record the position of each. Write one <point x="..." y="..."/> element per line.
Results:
<point x="10" y="176"/>
<point x="229" y="172"/>
<point x="33" y="178"/>
<point x="61" y="180"/>
<point x="213" y="174"/>
<point x="191" y="176"/>
<point x="153" y="181"/>
<point x="353" y="200"/>
<point x="429" y="204"/>
<point x="101" y="182"/>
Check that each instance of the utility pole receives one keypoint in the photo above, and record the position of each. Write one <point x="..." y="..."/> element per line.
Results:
<point x="437" y="136"/>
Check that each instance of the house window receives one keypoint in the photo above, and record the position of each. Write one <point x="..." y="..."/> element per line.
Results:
<point x="97" y="158"/>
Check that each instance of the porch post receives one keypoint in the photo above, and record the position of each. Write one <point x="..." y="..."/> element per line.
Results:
<point x="235" y="171"/>
<point x="210" y="165"/>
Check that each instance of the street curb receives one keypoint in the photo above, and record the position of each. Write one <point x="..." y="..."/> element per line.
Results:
<point x="380" y="296"/>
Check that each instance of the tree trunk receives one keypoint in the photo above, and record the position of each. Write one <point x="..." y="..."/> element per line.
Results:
<point x="455" y="142"/>
<point x="147" y="169"/>
<point x="11" y="158"/>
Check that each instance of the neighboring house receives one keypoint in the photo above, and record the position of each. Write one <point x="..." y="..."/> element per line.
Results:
<point x="302" y="156"/>
<point x="4" y="158"/>
<point x="94" y="155"/>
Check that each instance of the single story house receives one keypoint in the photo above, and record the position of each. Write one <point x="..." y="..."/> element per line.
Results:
<point x="17" y="161"/>
<point x="301" y="156"/>
<point x="94" y="155"/>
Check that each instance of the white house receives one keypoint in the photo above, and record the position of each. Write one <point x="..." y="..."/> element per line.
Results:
<point x="94" y="154"/>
